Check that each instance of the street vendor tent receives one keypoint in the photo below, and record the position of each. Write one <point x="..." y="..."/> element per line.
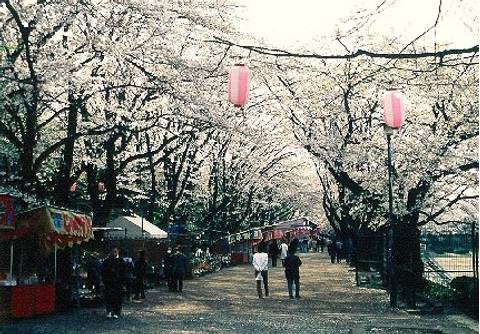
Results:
<point x="53" y="226"/>
<point x="133" y="226"/>
<point x="38" y="234"/>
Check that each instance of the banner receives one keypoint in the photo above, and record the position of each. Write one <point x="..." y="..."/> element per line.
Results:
<point x="7" y="213"/>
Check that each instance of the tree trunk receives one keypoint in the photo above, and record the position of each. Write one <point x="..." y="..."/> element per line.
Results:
<point x="65" y="180"/>
<point x="153" y="184"/>
<point x="28" y="149"/>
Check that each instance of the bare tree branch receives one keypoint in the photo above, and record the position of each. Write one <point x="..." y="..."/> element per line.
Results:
<point x="284" y="53"/>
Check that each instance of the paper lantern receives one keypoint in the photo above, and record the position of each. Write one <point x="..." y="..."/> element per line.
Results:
<point x="393" y="109"/>
<point x="238" y="85"/>
<point x="73" y="187"/>
<point x="101" y="187"/>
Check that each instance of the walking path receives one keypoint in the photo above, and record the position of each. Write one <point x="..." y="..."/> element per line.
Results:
<point x="226" y="302"/>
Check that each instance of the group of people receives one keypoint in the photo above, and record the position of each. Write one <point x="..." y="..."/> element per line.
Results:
<point x="316" y="244"/>
<point x="290" y="262"/>
<point x="200" y="253"/>
<point x="114" y="276"/>
<point x="122" y="277"/>
<point x="114" y="270"/>
<point x="175" y="269"/>
<point x="338" y="250"/>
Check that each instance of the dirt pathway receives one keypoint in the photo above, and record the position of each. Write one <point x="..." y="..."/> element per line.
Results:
<point x="226" y="302"/>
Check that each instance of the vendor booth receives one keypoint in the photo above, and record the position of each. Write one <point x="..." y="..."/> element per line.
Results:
<point x="29" y="287"/>
<point x="243" y="245"/>
<point x="293" y="225"/>
<point x="7" y="225"/>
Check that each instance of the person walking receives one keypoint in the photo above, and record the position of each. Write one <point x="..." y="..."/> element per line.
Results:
<point x="260" y="264"/>
<point x="292" y="265"/>
<point x="94" y="272"/>
<point x="349" y="250"/>
<point x="283" y="250"/>
<point x="140" y="269"/>
<point x="113" y="275"/>
<point x="321" y="243"/>
<point x="168" y="262"/>
<point x="129" y="277"/>
<point x="314" y="244"/>
<point x="304" y="245"/>
<point x="294" y="245"/>
<point x="331" y="251"/>
<point x="339" y="250"/>
<point x="273" y="251"/>
<point x="179" y="269"/>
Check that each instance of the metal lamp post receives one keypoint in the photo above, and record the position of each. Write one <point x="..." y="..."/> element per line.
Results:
<point x="391" y="224"/>
<point x="394" y="117"/>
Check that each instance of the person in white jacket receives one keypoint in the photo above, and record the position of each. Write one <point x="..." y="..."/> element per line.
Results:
<point x="260" y="264"/>
<point x="283" y="250"/>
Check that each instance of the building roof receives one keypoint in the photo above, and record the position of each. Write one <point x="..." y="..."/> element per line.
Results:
<point x="293" y="223"/>
<point x="133" y="226"/>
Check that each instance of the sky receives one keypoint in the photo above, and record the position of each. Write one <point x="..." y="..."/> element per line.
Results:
<point x="295" y="23"/>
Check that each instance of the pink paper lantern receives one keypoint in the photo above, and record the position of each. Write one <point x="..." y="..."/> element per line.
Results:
<point x="393" y="109"/>
<point x="73" y="187"/>
<point x="238" y="85"/>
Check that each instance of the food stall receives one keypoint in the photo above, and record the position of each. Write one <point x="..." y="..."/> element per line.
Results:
<point x="7" y="225"/>
<point x="30" y="287"/>
<point x="243" y="245"/>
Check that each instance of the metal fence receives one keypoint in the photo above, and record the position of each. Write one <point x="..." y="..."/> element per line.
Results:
<point x="449" y="253"/>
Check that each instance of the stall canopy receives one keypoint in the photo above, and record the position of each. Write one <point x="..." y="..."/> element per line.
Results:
<point x="53" y="227"/>
<point x="133" y="226"/>
<point x="248" y="235"/>
<point x="292" y="224"/>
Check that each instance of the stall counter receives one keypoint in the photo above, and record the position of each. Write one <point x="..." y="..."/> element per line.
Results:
<point x="27" y="300"/>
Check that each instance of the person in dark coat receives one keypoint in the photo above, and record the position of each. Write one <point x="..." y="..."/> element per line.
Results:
<point x="331" y="251"/>
<point x="179" y="269"/>
<point x="94" y="272"/>
<point x="292" y="272"/>
<point x="273" y="251"/>
<point x="294" y="245"/>
<point x="140" y="269"/>
<point x="129" y="277"/>
<point x="113" y="275"/>
<point x="168" y="262"/>
<point x="339" y="250"/>
<point x="321" y="244"/>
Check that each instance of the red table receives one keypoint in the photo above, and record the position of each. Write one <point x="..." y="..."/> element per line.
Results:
<point x="30" y="300"/>
<point x="238" y="258"/>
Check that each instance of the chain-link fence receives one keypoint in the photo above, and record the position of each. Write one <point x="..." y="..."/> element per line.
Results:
<point x="450" y="252"/>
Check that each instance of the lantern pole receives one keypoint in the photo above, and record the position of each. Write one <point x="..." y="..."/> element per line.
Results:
<point x="391" y="224"/>
<point x="143" y="233"/>
<point x="55" y="262"/>
<point x="11" y="260"/>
